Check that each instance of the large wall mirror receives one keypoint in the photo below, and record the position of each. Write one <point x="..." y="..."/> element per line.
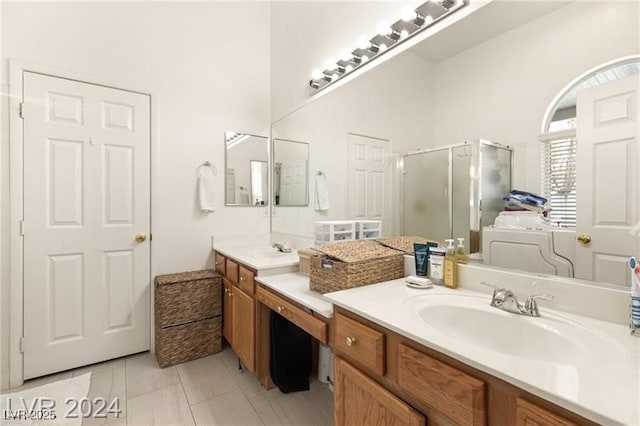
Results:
<point x="246" y="169"/>
<point x="471" y="81"/>
<point x="290" y="173"/>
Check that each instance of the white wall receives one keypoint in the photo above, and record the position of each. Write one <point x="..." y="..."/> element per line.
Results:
<point x="500" y="89"/>
<point x="306" y="34"/>
<point x="206" y="66"/>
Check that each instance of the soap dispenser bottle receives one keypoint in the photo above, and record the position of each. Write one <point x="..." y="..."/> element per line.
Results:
<point x="450" y="266"/>
<point x="461" y="254"/>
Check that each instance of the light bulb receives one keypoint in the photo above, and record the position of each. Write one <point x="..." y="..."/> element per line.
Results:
<point x="404" y="34"/>
<point x="330" y="64"/>
<point x="316" y="74"/>
<point x="348" y="68"/>
<point x="407" y="14"/>
<point x="384" y="28"/>
<point x="334" y="77"/>
<point x="363" y="42"/>
<point x="428" y="19"/>
<point x="364" y="58"/>
<point x="382" y="47"/>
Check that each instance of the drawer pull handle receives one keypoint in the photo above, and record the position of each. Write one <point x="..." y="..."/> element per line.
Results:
<point x="350" y="341"/>
<point x="280" y="309"/>
<point x="242" y="278"/>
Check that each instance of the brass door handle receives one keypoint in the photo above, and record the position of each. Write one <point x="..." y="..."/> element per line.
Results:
<point x="350" y="341"/>
<point x="141" y="238"/>
<point x="584" y="238"/>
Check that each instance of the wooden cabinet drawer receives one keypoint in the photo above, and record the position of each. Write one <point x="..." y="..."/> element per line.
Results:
<point x="455" y="394"/>
<point x="231" y="268"/>
<point x="361" y="344"/>
<point x="220" y="263"/>
<point x="312" y="325"/>
<point x="528" y="414"/>
<point x="246" y="281"/>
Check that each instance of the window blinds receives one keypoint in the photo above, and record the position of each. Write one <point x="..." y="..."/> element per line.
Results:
<point x="559" y="177"/>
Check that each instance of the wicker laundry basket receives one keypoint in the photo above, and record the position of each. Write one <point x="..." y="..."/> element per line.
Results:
<point x="350" y="264"/>
<point x="188" y="316"/>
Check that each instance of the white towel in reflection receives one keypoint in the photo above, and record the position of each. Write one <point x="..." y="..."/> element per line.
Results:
<point x="322" y="192"/>
<point x="206" y="197"/>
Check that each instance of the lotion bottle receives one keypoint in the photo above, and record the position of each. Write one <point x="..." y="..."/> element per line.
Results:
<point x="450" y="266"/>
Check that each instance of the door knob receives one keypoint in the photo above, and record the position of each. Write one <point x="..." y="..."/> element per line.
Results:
<point x="584" y="238"/>
<point x="141" y="238"/>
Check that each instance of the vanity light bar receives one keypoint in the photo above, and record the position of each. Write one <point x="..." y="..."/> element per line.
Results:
<point x="423" y="17"/>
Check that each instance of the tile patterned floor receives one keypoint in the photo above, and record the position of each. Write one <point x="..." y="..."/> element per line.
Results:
<point x="207" y="391"/>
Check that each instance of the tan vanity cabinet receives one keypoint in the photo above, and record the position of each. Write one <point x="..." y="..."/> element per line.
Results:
<point x="239" y="309"/>
<point x="457" y="395"/>
<point x="220" y="263"/>
<point x="358" y="400"/>
<point x="294" y="312"/>
<point x="444" y="390"/>
<point x="359" y="343"/>
<point x="529" y="414"/>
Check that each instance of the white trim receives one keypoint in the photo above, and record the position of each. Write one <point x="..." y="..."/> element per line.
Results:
<point x="560" y="134"/>
<point x="548" y="115"/>
<point x="16" y="166"/>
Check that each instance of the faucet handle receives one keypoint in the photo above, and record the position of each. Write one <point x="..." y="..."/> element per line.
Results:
<point x="532" y="307"/>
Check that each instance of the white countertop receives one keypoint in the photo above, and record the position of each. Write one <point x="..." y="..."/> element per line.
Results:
<point x="295" y="286"/>
<point x="604" y="385"/>
<point x="264" y="259"/>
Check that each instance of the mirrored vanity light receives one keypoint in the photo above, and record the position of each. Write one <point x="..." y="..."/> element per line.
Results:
<point x="411" y="23"/>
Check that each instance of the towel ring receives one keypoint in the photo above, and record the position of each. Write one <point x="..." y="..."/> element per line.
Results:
<point x="206" y="164"/>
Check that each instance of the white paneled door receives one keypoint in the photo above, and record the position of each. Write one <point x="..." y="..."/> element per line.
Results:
<point x="86" y="219"/>
<point x="369" y="179"/>
<point x="607" y="180"/>
<point x="293" y="183"/>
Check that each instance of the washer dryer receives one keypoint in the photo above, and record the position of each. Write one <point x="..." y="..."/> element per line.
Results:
<point x="551" y="250"/>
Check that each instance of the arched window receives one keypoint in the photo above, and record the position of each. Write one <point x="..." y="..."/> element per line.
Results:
<point x="559" y="138"/>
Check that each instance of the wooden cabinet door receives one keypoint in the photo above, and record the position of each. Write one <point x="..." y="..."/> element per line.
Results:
<point x="227" y="311"/>
<point x="528" y="414"/>
<point x="243" y="328"/>
<point x="358" y="400"/>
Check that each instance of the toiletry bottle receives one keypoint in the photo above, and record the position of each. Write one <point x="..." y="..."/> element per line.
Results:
<point x="461" y="254"/>
<point x="450" y="266"/>
<point x="436" y="256"/>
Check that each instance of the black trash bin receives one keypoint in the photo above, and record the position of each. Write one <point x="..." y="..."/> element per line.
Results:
<point x="290" y="363"/>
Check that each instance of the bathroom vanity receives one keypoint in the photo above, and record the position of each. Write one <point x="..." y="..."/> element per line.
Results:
<point x="446" y="356"/>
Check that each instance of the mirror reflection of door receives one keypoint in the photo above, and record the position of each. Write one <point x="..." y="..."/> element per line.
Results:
<point x="259" y="182"/>
<point x="246" y="183"/>
<point x="291" y="173"/>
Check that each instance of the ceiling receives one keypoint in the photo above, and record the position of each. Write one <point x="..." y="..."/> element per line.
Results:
<point x="487" y="22"/>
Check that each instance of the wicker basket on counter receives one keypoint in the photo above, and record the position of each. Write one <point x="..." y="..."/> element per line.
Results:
<point x="351" y="264"/>
<point x="404" y="243"/>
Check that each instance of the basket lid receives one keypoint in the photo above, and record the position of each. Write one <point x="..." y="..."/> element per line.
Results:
<point x="404" y="243"/>
<point x="185" y="276"/>
<point x="356" y="250"/>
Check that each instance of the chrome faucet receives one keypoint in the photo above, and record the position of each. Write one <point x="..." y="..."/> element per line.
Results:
<point x="282" y="247"/>
<point x="504" y="299"/>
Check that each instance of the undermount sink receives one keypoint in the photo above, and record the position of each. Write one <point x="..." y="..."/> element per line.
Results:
<point x="549" y="338"/>
<point x="262" y="252"/>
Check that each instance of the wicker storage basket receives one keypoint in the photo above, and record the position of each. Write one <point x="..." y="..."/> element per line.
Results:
<point x="404" y="243"/>
<point x="188" y="316"/>
<point x="353" y="264"/>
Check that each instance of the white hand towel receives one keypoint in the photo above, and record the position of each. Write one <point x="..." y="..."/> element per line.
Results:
<point x="206" y="198"/>
<point x="322" y="193"/>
